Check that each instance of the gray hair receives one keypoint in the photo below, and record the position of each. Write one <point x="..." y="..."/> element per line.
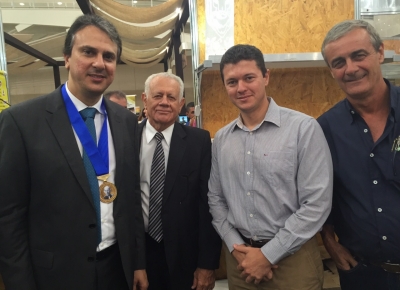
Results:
<point x="87" y="20"/>
<point x="344" y="27"/>
<point x="164" y="75"/>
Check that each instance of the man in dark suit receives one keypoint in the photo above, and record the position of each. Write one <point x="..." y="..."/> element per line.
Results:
<point x="54" y="231"/>
<point x="182" y="247"/>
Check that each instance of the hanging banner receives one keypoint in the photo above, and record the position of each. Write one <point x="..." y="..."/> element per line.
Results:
<point x="219" y="26"/>
<point x="131" y="101"/>
<point x="4" y="102"/>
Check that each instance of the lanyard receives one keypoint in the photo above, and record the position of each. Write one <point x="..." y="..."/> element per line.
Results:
<point x="98" y="155"/>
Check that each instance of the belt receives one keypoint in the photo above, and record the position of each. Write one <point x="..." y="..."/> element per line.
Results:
<point x="106" y="252"/>
<point x="254" y="243"/>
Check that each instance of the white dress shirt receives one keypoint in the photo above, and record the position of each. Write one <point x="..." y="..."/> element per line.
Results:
<point x="148" y="146"/>
<point x="106" y="209"/>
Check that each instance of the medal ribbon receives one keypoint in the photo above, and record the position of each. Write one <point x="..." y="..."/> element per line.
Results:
<point x="98" y="155"/>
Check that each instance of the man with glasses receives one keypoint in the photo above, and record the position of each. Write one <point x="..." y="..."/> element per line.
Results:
<point x="363" y="137"/>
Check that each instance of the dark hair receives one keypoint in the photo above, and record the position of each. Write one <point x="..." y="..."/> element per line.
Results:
<point x="189" y="105"/>
<point x="116" y="94"/>
<point x="242" y="52"/>
<point x="95" y="20"/>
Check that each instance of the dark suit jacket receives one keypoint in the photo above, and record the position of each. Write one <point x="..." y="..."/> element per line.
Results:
<point x="47" y="217"/>
<point x="189" y="237"/>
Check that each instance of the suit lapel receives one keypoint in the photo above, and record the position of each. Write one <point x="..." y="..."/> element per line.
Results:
<point x="176" y="152"/>
<point x="60" y="125"/>
<point x="117" y="132"/>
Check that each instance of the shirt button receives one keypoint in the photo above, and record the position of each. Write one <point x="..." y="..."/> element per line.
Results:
<point x="379" y="209"/>
<point x="375" y="182"/>
<point x="352" y="112"/>
<point x="103" y="221"/>
<point x="248" y="193"/>
<point x="384" y="238"/>
<point x="248" y="152"/>
<point x="371" y="155"/>
<point x="365" y="130"/>
<point x="251" y="215"/>
<point x="248" y="172"/>
<point x="251" y="133"/>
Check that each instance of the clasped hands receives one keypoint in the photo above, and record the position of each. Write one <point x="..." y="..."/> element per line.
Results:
<point x="254" y="265"/>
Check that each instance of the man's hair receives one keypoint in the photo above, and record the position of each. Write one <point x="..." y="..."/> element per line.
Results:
<point x="163" y="75"/>
<point x="91" y="20"/>
<point x="117" y="94"/>
<point x="241" y="52"/>
<point x="344" y="27"/>
<point x="189" y="105"/>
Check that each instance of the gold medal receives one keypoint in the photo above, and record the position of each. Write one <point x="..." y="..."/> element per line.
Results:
<point x="108" y="191"/>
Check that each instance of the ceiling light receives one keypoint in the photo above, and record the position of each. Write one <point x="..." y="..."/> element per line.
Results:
<point x="59" y="3"/>
<point x="22" y="4"/>
<point x="134" y="2"/>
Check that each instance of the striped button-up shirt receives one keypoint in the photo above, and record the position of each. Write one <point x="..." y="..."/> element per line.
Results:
<point x="273" y="182"/>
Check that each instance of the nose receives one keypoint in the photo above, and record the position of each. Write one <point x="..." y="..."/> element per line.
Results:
<point x="99" y="61"/>
<point x="241" y="86"/>
<point x="351" y="67"/>
<point x="164" y="100"/>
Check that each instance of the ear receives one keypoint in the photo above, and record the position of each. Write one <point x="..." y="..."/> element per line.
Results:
<point x="266" y="77"/>
<point x="66" y="59"/>
<point x="144" y="99"/>
<point x="381" y="53"/>
<point x="181" y="103"/>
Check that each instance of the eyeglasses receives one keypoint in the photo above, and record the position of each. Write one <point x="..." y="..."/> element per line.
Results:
<point x="192" y="112"/>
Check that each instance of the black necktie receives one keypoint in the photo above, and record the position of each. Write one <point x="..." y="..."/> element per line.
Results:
<point x="88" y="116"/>
<point x="157" y="178"/>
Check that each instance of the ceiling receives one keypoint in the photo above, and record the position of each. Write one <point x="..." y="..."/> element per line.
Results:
<point x="43" y="26"/>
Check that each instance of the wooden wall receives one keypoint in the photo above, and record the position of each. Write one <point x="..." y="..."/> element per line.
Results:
<point x="278" y="26"/>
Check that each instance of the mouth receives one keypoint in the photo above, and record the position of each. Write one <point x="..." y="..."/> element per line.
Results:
<point x="97" y="77"/>
<point x="354" y="79"/>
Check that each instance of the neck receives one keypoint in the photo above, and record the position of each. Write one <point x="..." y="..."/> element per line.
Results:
<point x="158" y="127"/>
<point x="89" y="99"/>
<point x="377" y="102"/>
<point x="252" y="118"/>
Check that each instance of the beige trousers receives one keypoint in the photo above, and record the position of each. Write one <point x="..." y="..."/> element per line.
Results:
<point x="301" y="271"/>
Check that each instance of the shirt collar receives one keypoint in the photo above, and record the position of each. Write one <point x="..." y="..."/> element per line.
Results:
<point x="273" y="116"/>
<point x="79" y="105"/>
<point x="151" y="132"/>
<point x="394" y="103"/>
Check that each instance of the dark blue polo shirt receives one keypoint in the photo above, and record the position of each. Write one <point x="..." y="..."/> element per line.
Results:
<point x="366" y="190"/>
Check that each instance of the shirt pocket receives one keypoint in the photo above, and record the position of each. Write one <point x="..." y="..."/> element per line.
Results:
<point x="277" y="168"/>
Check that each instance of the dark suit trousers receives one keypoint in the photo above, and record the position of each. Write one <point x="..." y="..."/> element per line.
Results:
<point x="109" y="272"/>
<point x="156" y="265"/>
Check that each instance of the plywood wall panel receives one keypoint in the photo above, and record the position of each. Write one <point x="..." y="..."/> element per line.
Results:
<point x="278" y="26"/>
<point x="309" y="90"/>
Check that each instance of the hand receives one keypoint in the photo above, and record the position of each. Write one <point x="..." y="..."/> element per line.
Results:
<point x="255" y="266"/>
<point x="239" y="256"/>
<point x="203" y="279"/>
<point x="339" y="254"/>
<point x="140" y="280"/>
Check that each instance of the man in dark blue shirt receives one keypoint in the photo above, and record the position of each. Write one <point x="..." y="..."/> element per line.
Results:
<point x="364" y="138"/>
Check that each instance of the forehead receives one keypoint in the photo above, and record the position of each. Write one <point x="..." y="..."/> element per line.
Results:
<point x="357" y="39"/>
<point x="94" y="37"/>
<point x="240" y="68"/>
<point x="164" y="84"/>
